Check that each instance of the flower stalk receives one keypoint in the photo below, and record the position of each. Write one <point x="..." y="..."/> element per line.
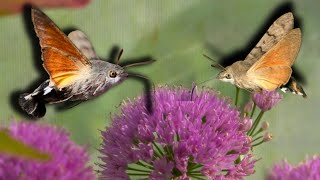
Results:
<point x="255" y="123"/>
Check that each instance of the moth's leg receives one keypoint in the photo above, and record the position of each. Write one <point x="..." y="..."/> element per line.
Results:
<point x="62" y="100"/>
<point x="98" y="88"/>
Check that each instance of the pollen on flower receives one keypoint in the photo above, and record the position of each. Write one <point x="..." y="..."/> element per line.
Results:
<point x="184" y="137"/>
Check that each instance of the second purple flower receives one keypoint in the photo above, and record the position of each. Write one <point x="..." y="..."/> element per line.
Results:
<point x="183" y="138"/>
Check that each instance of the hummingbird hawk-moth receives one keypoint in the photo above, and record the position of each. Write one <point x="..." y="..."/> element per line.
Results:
<point x="268" y="65"/>
<point x="76" y="72"/>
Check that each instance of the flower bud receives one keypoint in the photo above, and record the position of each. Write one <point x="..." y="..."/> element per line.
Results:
<point x="248" y="107"/>
<point x="265" y="125"/>
<point x="265" y="100"/>
<point x="246" y="124"/>
<point x="267" y="137"/>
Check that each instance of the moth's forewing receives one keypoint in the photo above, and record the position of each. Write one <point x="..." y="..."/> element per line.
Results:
<point x="62" y="60"/>
<point x="274" y="34"/>
<point x="63" y="70"/>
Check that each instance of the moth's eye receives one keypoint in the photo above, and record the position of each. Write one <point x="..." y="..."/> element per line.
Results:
<point x="112" y="74"/>
<point x="228" y="76"/>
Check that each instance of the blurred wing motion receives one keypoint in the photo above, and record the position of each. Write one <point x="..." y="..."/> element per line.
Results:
<point x="81" y="41"/>
<point x="273" y="69"/>
<point x="278" y="30"/>
<point x="61" y="58"/>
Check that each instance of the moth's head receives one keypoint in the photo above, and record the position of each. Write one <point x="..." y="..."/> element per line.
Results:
<point x="226" y="75"/>
<point x="116" y="74"/>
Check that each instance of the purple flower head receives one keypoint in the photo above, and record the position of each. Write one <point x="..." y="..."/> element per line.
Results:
<point x="265" y="100"/>
<point x="309" y="170"/>
<point x="68" y="159"/>
<point x="183" y="137"/>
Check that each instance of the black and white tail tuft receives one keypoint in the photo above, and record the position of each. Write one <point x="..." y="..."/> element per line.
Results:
<point x="32" y="105"/>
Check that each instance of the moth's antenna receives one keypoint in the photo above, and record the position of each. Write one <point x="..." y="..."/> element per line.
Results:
<point x="139" y="63"/>
<point x="121" y="51"/>
<point x="216" y="65"/>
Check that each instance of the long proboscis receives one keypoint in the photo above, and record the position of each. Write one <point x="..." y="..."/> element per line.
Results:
<point x="139" y="63"/>
<point x="206" y="81"/>
<point x="216" y="65"/>
<point x="138" y="75"/>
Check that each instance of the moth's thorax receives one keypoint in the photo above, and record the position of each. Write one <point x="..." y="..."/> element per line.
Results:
<point x="239" y="68"/>
<point x="246" y="84"/>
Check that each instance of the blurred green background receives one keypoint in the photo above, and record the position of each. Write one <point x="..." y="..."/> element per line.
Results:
<point x="176" y="33"/>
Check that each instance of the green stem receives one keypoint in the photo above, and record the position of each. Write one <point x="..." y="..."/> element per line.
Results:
<point x="256" y="122"/>
<point x="259" y="131"/>
<point x="258" y="143"/>
<point x="137" y="174"/>
<point x="156" y="154"/>
<point x="139" y="170"/>
<point x="237" y="96"/>
<point x="169" y="152"/>
<point x="143" y="165"/>
<point x="257" y="138"/>
<point x="195" y="167"/>
<point x="253" y="109"/>
<point x="195" y="173"/>
<point x="197" y="177"/>
<point x="190" y="166"/>
<point x="159" y="150"/>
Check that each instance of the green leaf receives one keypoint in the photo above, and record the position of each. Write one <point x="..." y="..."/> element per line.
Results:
<point x="11" y="146"/>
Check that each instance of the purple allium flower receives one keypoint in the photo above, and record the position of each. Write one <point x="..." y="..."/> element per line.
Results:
<point x="265" y="100"/>
<point x="68" y="160"/>
<point x="184" y="137"/>
<point x="309" y="170"/>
